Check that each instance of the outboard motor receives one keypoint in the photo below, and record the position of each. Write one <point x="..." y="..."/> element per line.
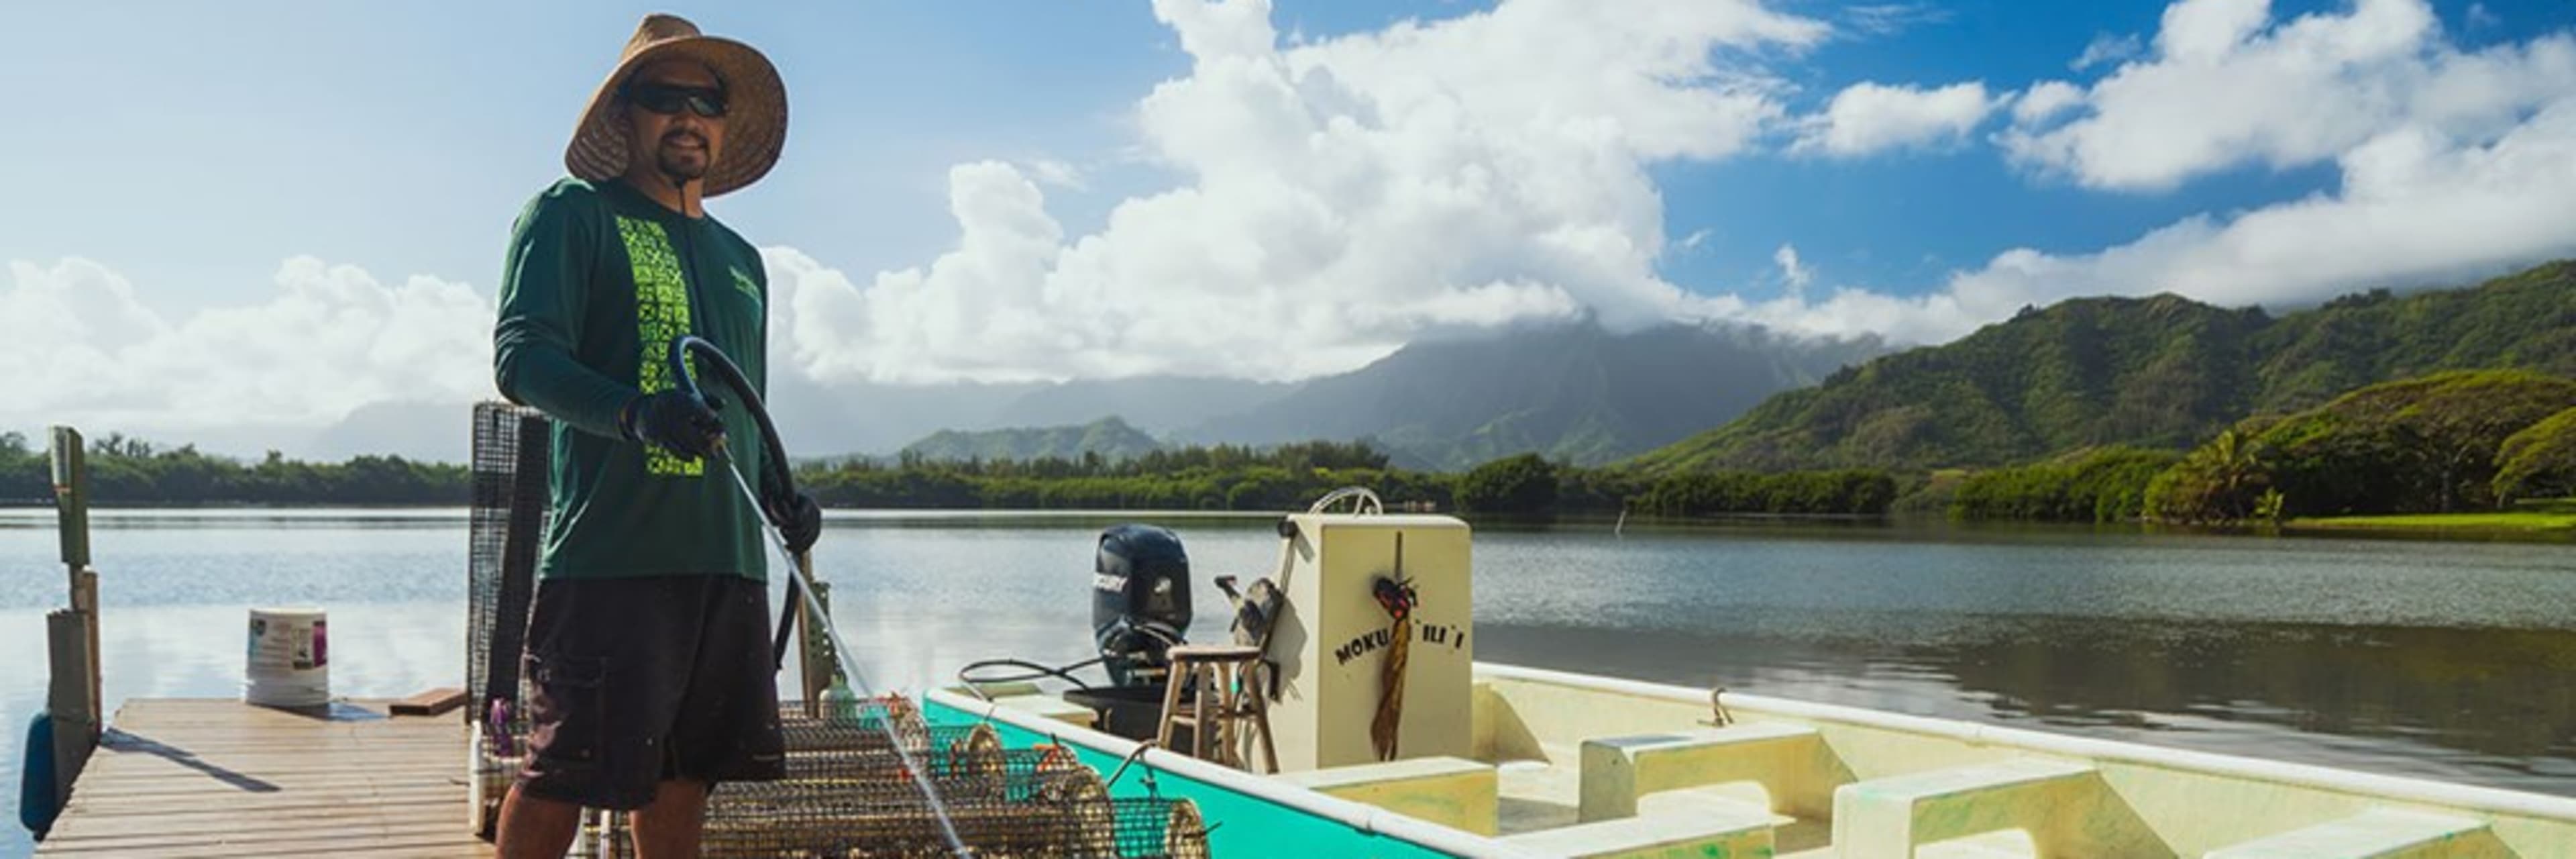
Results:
<point x="1140" y="602"/>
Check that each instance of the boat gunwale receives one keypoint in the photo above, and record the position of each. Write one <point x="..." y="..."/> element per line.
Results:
<point x="2474" y="798"/>
<point x="1368" y="819"/>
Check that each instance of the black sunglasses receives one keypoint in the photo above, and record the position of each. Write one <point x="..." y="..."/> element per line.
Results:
<point x="669" y="99"/>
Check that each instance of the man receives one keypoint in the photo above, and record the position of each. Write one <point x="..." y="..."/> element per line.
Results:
<point x="648" y="644"/>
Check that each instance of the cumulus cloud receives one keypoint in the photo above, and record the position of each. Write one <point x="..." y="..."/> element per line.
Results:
<point x="1339" y="197"/>
<point x="2228" y="85"/>
<point x="1793" y="275"/>
<point x="85" y="347"/>
<point x="2107" y="49"/>
<point x="1345" y="195"/>
<point x="1871" y="117"/>
<point x="1050" y="171"/>
<point x="2414" y="206"/>
<point x="2044" y="100"/>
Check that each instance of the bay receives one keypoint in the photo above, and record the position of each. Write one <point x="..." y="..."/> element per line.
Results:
<point x="2445" y="660"/>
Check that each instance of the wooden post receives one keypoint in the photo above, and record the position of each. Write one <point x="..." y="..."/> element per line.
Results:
<point x="72" y="634"/>
<point x="85" y="601"/>
<point x="816" y="663"/>
<point x="71" y="496"/>
<point x="76" y="719"/>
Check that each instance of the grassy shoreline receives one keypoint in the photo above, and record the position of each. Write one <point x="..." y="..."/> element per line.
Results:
<point x="2548" y="516"/>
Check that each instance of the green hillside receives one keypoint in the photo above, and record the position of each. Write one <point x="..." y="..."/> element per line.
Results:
<point x="1576" y="393"/>
<point x="2425" y="445"/>
<point x="2163" y="372"/>
<point x="1110" y="438"/>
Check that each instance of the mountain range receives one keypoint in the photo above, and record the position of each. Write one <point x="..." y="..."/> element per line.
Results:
<point x="2163" y="371"/>
<point x="1578" y="393"/>
<point x="1110" y="438"/>
<point x="1575" y="391"/>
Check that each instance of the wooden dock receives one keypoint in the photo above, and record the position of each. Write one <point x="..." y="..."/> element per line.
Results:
<point x="199" y="777"/>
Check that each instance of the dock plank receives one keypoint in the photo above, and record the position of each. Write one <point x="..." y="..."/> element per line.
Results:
<point x="207" y="777"/>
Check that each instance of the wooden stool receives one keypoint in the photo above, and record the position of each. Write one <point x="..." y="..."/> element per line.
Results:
<point x="1232" y="685"/>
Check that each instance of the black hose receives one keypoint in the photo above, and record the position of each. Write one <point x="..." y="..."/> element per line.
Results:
<point x="774" y="468"/>
<point x="776" y="475"/>
<point x="1061" y="672"/>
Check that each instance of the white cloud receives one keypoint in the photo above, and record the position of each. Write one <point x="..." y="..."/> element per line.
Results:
<point x="84" y="347"/>
<point x="1056" y="173"/>
<point x="2228" y="85"/>
<point x="1888" y="19"/>
<point x="1340" y="197"/>
<point x="1792" y="274"/>
<point x="1870" y="117"/>
<point x="2107" y="49"/>
<point x="2414" y="207"/>
<point x="2044" y="100"/>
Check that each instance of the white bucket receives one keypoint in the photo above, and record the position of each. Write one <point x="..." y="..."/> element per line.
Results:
<point x="290" y="658"/>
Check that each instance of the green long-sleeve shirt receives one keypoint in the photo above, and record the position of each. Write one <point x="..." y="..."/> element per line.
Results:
<point x="599" y="280"/>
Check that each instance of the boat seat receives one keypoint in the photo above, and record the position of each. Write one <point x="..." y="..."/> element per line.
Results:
<point x="2377" y="834"/>
<point x="1453" y="792"/>
<point x="1887" y="818"/>
<point x="1746" y="834"/>
<point x="2007" y="844"/>
<point x="1783" y="758"/>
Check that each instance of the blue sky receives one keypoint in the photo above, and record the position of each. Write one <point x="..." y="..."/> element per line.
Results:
<point x="1825" y="168"/>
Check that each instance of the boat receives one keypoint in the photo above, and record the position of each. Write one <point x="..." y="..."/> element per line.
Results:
<point x="1502" y="760"/>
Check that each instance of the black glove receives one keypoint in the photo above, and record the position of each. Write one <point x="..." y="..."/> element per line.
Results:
<point x="798" y="518"/>
<point x="674" y="421"/>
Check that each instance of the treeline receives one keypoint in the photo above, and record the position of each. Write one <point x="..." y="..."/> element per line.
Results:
<point x="1288" y="477"/>
<point x="2448" y="442"/>
<point x="2105" y="485"/>
<point x="934" y="485"/>
<point x="131" y="471"/>
<point x="1846" y="492"/>
<point x="1215" y="477"/>
<point x="1162" y="461"/>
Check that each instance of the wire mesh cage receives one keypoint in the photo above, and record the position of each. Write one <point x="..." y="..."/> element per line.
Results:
<point x="507" y="520"/>
<point x="848" y="792"/>
<point x="850" y="789"/>
<point x="511" y="457"/>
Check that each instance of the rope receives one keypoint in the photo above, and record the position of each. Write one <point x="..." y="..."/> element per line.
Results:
<point x="1397" y="598"/>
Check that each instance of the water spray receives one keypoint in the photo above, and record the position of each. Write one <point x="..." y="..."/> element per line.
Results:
<point x="800" y="580"/>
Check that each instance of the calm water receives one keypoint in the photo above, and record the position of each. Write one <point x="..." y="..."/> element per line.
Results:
<point x="2447" y="660"/>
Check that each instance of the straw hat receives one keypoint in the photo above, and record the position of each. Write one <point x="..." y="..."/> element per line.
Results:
<point x="755" y="114"/>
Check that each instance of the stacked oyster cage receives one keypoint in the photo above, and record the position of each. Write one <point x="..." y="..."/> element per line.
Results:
<point x="849" y="791"/>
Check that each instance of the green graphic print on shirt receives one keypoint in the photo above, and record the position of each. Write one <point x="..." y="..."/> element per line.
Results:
<point x="661" y="316"/>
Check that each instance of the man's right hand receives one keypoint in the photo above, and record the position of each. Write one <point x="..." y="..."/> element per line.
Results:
<point x="674" y="421"/>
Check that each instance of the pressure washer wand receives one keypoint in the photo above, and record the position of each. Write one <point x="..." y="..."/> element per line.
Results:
<point x="800" y="580"/>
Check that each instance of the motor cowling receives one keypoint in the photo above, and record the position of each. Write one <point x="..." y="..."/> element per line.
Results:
<point x="1140" y="601"/>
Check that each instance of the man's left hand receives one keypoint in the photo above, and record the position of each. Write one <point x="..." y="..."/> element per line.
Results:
<point x="798" y="518"/>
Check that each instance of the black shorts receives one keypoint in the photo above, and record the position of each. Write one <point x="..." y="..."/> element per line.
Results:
<point x="642" y="680"/>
